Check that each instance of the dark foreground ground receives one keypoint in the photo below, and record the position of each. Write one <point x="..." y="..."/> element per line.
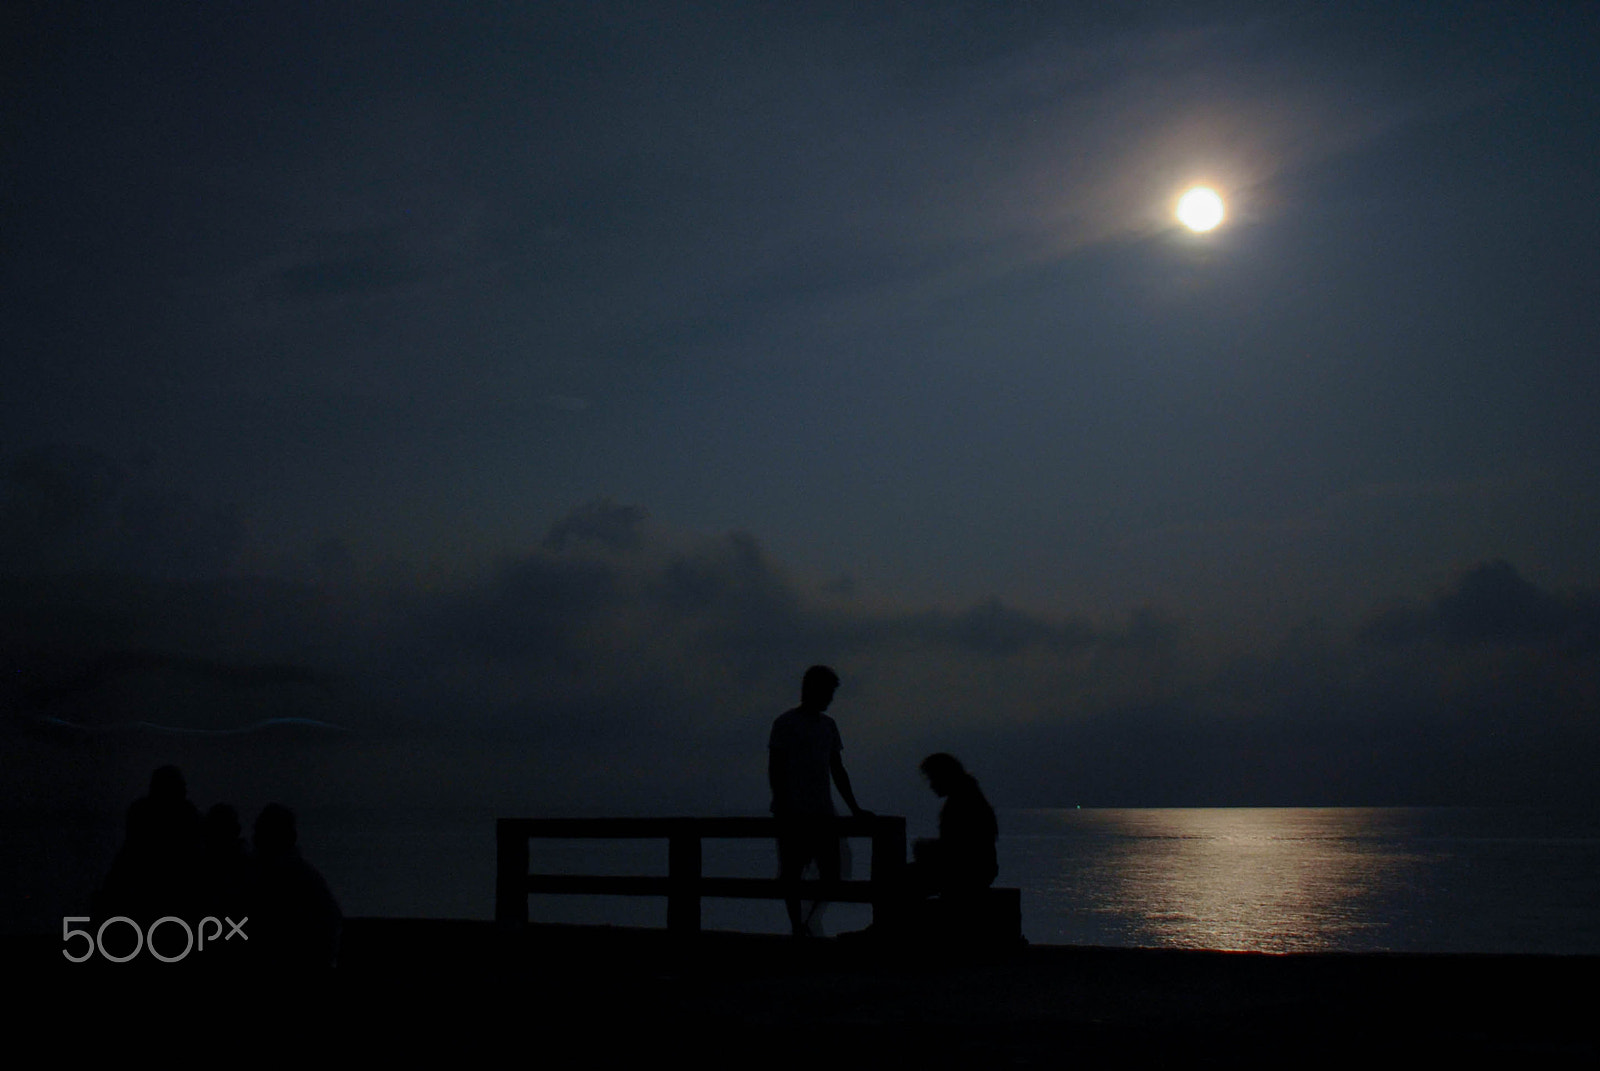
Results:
<point x="585" y="995"/>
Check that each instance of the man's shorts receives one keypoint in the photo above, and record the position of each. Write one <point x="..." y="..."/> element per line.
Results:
<point x="802" y="841"/>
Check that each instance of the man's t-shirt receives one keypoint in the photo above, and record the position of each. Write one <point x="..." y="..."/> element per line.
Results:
<point x="803" y="746"/>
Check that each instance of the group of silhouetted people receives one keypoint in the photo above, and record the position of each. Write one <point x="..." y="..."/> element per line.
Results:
<point x="175" y="863"/>
<point x="804" y="759"/>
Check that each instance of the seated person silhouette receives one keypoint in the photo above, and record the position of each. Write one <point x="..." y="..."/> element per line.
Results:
<point x="224" y="885"/>
<point x="154" y="874"/>
<point x="294" y="920"/>
<point x="224" y="862"/>
<point x="961" y="863"/>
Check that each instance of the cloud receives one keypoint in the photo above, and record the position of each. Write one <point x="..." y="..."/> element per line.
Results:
<point x="992" y="628"/>
<point x="71" y="508"/>
<point x="620" y="666"/>
<point x="601" y="523"/>
<point x="1489" y="604"/>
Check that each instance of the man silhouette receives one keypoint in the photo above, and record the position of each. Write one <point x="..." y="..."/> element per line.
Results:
<point x="803" y="755"/>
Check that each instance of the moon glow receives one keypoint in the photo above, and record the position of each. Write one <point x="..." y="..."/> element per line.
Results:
<point x="1200" y="209"/>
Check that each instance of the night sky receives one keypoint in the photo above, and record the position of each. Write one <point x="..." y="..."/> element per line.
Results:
<point x="496" y="407"/>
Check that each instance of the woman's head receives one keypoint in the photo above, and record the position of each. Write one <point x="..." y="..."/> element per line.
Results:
<point x="944" y="773"/>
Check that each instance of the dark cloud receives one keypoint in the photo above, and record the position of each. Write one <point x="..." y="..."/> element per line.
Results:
<point x="66" y="508"/>
<point x="107" y="668"/>
<point x="601" y="523"/>
<point x="992" y="628"/>
<point x="535" y="609"/>
<point x="617" y="645"/>
<point x="1493" y="604"/>
<point x="99" y="650"/>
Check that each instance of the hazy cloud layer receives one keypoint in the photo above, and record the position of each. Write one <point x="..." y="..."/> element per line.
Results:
<point x="71" y="509"/>
<point x="617" y="666"/>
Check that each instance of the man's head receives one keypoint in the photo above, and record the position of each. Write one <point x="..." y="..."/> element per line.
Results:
<point x="817" y="688"/>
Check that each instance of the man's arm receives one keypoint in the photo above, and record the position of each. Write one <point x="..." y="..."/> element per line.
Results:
<point x="774" y="777"/>
<point x="842" y="779"/>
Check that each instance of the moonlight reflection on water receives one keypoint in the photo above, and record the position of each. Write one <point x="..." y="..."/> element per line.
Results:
<point x="1260" y="879"/>
<point x="1307" y="879"/>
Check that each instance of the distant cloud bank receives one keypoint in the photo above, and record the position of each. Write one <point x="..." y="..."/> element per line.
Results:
<point x="615" y="665"/>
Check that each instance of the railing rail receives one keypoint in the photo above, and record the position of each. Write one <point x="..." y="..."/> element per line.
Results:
<point x="684" y="884"/>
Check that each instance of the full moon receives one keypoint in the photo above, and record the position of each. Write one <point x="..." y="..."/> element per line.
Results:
<point x="1200" y="209"/>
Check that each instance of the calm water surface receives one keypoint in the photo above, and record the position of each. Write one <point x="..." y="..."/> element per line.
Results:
<point x="1281" y="880"/>
<point x="1264" y="879"/>
<point x="1415" y="880"/>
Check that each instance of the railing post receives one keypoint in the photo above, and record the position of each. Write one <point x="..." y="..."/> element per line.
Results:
<point x="683" y="878"/>
<point x="511" y="871"/>
<point x="888" y="868"/>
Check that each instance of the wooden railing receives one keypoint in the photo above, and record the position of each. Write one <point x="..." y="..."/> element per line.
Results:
<point x="684" y="884"/>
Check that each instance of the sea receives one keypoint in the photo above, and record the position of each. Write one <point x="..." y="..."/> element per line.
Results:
<point x="1486" y="880"/>
<point x="1476" y="880"/>
<point x="1309" y="879"/>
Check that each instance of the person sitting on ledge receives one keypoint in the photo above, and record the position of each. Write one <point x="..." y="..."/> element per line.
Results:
<point x="962" y="861"/>
<point x="296" y="919"/>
